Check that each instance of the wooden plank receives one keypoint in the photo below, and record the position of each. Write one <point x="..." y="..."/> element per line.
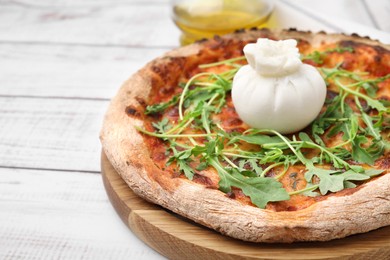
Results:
<point x="379" y="11"/>
<point x="339" y="24"/>
<point x="51" y="133"/>
<point x="284" y="17"/>
<point x="80" y="3"/>
<point x="338" y="9"/>
<point x="132" y="23"/>
<point x="69" y="71"/>
<point x="62" y="215"/>
<point x="89" y="71"/>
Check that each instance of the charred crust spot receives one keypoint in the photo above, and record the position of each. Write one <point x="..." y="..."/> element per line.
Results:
<point x="383" y="163"/>
<point x="355" y="44"/>
<point x="293" y="29"/>
<point x="217" y="38"/>
<point x="201" y="40"/>
<point x="351" y="44"/>
<point x="366" y="108"/>
<point x="159" y="156"/>
<point x="219" y="43"/>
<point x="137" y="165"/>
<point x="176" y="174"/>
<point x="141" y="101"/>
<point x="166" y="90"/>
<point x="242" y="30"/>
<point x="206" y="181"/>
<point x="173" y="112"/>
<point x="235" y="130"/>
<point x="358" y="36"/>
<point x="169" y="70"/>
<point x="233" y="122"/>
<point x="330" y="95"/>
<point x="132" y="111"/>
<point x="127" y="163"/>
<point x="271" y="173"/>
<point x="156" y="69"/>
<point x="231" y="195"/>
<point x="254" y="29"/>
<point x="292" y="208"/>
<point x="377" y="59"/>
<point x="380" y="50"/>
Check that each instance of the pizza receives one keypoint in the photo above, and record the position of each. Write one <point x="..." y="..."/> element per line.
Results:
<point x="173" y="134"/>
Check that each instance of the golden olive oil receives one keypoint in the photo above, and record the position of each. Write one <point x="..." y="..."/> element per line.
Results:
<point x="205" y="18"/>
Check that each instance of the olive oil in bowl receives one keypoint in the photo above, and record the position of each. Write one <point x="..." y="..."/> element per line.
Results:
<point x="205" y="18"/>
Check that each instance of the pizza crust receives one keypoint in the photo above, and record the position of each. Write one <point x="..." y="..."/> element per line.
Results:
<point x="366" y="209"/>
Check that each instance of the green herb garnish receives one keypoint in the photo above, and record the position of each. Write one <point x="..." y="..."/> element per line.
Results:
<point x="328" y="169"/>
<point x="318" y="56"/>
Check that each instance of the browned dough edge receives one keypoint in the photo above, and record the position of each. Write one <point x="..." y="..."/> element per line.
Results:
<point x="338" y="216"/>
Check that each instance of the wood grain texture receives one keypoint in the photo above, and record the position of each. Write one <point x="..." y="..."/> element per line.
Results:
<point x="67" y="70"/>
<point x="57" y="134"/>
<point x="328" y="17"/>
<point x="88" y="22"/>
<point x="284" y="16"/>
<point x="356" y="11"/>
<point x="75" y="54"/>
<point x="62" y="215"/>
<point x="379" y="11"/>
<point x="178" y="238"/>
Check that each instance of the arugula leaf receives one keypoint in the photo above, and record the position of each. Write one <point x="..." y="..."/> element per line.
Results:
<point x="305" y="137"/>
<point x="351" y="128"/>
<point x="333" y="180"/>
<point x="318" y="57"/>
<point x="160" y="107"/>
<point x="183" y="158"/>
<point x="258" y="139"/>
<point x="349" y="185"/>
<point x="309" y="190"/>
<point x="315" y="56"/>
<point x="274" y="155"/>
<point x="371" y="129"/>
<point x="250" y="163"/>
<point x="225" y="84"/>
<point x="328" y="180"/>
<point x="370" y="88"/>
<point x="261" y="190"/>
<point x="376" y="104"/>
<point x="202" y="166"/>
<point x="162" y="126"/>
<point x="373" y="172"/>
<point x="360" y="154"/>
<point x="253" y="164"/>
<point x="351" y="175"/>
<point x="188" y="171"/>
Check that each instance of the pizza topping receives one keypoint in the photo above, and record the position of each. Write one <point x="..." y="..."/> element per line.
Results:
<point x="318" y="57"/>
<point x="276" y="90"/>
<point x="338" y="150"/>
<point x="132" y="111"/>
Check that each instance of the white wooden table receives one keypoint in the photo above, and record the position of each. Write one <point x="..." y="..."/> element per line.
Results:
<point x="60" y="63"/>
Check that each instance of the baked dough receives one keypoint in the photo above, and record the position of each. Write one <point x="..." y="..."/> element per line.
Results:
<point x="362" y="209"/>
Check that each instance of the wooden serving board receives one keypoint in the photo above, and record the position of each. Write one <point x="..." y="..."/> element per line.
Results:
<point x="178" y="238"/>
